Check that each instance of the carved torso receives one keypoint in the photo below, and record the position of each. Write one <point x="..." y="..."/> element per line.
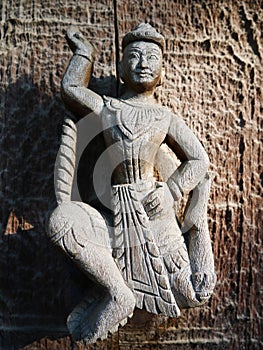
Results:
<point x="133" y="134"/>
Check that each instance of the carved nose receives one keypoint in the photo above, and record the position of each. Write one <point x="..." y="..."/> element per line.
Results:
<point x="143" y="62"/>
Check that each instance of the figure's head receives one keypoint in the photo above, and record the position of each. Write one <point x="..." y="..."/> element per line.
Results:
<point x="141" y="66"/>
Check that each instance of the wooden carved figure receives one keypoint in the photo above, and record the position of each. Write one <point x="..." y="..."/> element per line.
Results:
<point x="144" y="259"/>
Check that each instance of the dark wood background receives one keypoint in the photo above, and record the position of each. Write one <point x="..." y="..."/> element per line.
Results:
<point x="213" y="80"/>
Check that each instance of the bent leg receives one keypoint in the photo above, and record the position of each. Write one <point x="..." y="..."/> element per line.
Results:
<point x="81" y="232"/>
<point x="180" y="275"/>
<point x="191" y="266"/>
<point x="198" y="240"/>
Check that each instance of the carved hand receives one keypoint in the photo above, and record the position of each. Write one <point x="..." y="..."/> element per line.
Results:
<point x="156" y="201"/>
<point x="78" y="44"/>
<point x="152" y="204"/>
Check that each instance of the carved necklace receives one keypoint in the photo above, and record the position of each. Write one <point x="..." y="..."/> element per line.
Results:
<point x="135" y="118"/>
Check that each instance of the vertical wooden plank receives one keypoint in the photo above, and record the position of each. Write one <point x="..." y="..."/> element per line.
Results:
<point x="213" y="77"/>
<point x="38" y="286"/>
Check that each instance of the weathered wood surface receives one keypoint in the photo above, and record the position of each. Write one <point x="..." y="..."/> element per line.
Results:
<point x="214" y="78"/>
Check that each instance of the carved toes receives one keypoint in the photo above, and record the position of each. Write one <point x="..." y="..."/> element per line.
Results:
<point x="93" y="321"/>
<point x="204" y="283"/>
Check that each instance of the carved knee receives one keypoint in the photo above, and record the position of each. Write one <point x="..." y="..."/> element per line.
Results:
<point x="73" y="225"/>
<point x="62" y="229"/>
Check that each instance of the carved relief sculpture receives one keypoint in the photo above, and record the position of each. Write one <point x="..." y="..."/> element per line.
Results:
<point x="142" y="258"/>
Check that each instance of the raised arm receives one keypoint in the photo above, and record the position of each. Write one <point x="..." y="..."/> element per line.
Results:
<point x="76" y="96"/>
<point x="189" y="150"/>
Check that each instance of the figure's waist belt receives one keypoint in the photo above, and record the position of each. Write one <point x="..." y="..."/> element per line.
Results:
<point x="139" y="186"/>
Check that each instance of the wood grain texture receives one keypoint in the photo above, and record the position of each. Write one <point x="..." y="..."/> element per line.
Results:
<point x="213" y="80"/>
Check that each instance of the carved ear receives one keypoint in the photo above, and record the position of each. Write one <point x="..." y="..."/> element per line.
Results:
<point x="162" y="77"/>
<point x="120" y="70"/>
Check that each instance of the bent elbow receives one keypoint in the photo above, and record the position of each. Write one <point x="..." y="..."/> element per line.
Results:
<point x="68" y="94"/>
<point x="69" y="98"/>
<point x="203" y="161"/>
<point x="66" y="88"/>
<point x="206" y="161"/>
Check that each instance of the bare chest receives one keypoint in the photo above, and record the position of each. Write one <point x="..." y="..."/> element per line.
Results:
<point x="134" y="125"/>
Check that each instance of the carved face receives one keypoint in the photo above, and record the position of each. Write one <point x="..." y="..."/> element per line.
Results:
<point x="141" y="66"/>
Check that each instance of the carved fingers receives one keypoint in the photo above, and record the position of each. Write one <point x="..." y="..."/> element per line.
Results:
<point x="78" y="44"/>
<point x="157" y="201"/>
<point x="152" y="204"/>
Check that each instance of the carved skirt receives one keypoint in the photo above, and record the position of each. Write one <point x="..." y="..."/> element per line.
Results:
<point x="148" y="252"/>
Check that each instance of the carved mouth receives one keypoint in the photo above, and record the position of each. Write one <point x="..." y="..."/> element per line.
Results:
<point x="144" y="74"/>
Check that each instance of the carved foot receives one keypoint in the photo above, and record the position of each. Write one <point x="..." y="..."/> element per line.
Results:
<point x="90" y="322"/>
<point x="204" y="283"/>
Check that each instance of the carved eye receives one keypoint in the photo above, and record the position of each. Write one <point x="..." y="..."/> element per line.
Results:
<point x="153" y="57"/>
<point x="134" y="55"/>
